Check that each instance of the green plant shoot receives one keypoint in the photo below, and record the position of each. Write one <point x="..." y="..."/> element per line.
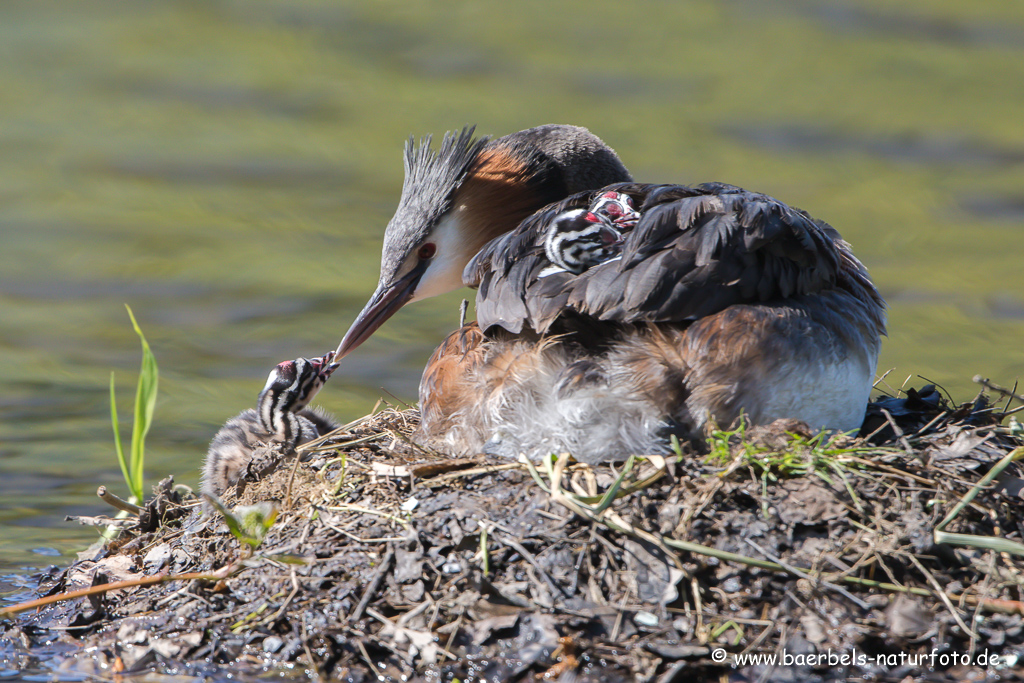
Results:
<point x="248" y="523"/>
<point x="145" y="402"/>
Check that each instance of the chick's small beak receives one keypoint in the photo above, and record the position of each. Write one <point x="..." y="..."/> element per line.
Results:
<point x="324" y="366"/>
<point x="611" y="237"/>
<point x="384" y="303"/>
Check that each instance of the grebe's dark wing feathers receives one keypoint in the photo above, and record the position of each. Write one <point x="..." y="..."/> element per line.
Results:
<point x="500" y="256"/>
<point x="694" y="252"/>
<point x="507" y="272"/>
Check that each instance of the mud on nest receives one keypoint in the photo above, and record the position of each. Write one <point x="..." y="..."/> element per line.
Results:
<point x="389" y="560"/>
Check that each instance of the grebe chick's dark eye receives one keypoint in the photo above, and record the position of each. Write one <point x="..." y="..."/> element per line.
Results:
<point x="427" y="251"/>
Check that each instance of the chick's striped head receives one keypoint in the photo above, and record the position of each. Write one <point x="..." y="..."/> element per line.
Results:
<point x="580" y="239"/>
<point x="291" y="386"/>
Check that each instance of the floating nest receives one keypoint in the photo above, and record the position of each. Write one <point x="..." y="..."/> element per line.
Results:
<point x="773" y="555"/>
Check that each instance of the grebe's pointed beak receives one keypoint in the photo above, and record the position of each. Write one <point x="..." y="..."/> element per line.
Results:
<point x="385" y="302"/>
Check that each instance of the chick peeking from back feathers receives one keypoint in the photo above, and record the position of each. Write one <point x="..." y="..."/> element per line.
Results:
<point x="579" y="239"/>
<point x="617" y="208"/>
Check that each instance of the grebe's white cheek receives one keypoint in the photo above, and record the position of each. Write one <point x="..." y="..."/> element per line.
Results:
<point x="444" y="273"/>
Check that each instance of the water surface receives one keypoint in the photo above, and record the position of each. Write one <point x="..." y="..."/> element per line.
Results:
<point x="226" y="168"/>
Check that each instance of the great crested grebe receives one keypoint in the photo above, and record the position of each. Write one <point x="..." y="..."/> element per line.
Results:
<point x="281" y="420"/>
<point x="716" y="302"/>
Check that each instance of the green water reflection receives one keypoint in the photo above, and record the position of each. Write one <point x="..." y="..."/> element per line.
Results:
<point x="227" y="169"/>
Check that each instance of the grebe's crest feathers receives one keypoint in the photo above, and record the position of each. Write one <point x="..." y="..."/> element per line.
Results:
<point x="432" y="177"/>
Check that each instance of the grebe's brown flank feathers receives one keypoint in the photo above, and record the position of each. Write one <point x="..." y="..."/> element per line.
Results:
<point x="695" y="252"/>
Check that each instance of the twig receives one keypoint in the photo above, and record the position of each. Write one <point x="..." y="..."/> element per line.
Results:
<point x="287" y="601"/>
<point x="1007" y="393"/>
<point x="529" y="557"/>
<point x="882" y="379"/>
<point x="414" y="612"/>
<point x="374" y="584"/>
<point x="940" y="416"/>
<point x="112" y="522"/>
<point x="769" y="627"/>
<point x="455" y="630"/>
<point x="898" y="432"/>
<point x="345" y="444"/>
<point x="309" y="654"/>
<point x="436" y="468"/>
<point x="442" y="479"/>
<point x="366" y="658"/>
<point x="291" y="480"/>
<point x="174" y="595"/>
<point x="892" y="470"/>
<point x="368" y="511"/>
<point x="399" y="436"/>
<point x="112" y="500"/>
<point x="618" y="617"/>
<point x="357" y="539"/>
<point x="941" y="594"/>
<point x="398" y="400"/>
<point x="804" y="575"/>
<point x="220" y="574"/>
<point x="989" y="543"/>
<point x="379" y="617"/>
<point x="697" y="605"/>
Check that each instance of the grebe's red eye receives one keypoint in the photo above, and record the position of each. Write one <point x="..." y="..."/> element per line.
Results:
<point x="427" y="251"/>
